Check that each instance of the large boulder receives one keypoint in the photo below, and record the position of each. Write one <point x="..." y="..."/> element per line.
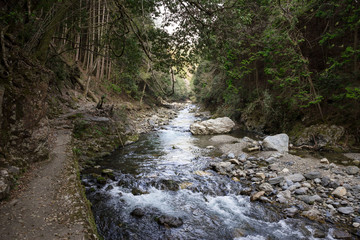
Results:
<point x="212" y="126"/>
<point x="321" y="135"/>
<point x="279" y="142"/>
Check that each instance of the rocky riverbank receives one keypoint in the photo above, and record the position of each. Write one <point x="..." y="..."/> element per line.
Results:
<point x="301" y="186"/>
<point x="97" y="133"/>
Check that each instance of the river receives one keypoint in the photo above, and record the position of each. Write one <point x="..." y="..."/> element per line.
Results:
<point x="162" y="189"/>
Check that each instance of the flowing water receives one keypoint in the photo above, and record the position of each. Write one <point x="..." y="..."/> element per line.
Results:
<point x="165" y="176"/>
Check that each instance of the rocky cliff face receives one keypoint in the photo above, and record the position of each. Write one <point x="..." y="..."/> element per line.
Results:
<point x="24" y="128"/>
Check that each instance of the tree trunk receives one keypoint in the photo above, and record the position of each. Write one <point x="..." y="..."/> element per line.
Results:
<point x="356" y="42"/>
<point x="78" y="38"/>
<point x="43" y="47"/>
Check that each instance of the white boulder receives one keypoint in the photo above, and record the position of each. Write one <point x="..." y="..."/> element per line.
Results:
<point x="212" y="126"/>
<point x="279" y="142"/>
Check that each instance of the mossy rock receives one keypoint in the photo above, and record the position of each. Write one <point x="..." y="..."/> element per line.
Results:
<point x="101" y="180"/>
<point x="321" y="135"/>
<point x="133" y="138"/>
<point x="108" y="173"/>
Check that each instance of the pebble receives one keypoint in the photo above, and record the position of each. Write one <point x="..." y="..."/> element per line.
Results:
<point x="312" y="175"/>
<point x="317" y="180"/>
<point x="256" y="195"/>
<point x="345" y="210"/>
<point x="339" y="192"/>
<point x="261" y="175"/>
<point x="266" y="187"/>
<point x="324" y="161"/>
<point x="290" y="212"/>
<point x="301" y="191"/>
<point x="338" y="234"/>
<point x="351" y="170"/>
<point x="276" y="180"/>
<point x="319" y="234"/>
<point x="271" y="160"/>
<point x="295" y="177"/>
<point x="234" y="161"/>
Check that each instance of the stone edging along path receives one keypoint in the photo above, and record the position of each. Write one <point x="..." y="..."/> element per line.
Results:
<point x="51" y="205"/>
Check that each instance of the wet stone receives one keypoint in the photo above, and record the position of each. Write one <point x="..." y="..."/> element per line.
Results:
<point x="256" y="195"/>
<point x="138" y="212"/>
<point x="319" y="234"/>
<point x="246" y="191"/>
<point x="338" y="234"/>
<point x="266" y="187"/>
<point x="290" y="212"/>
<point x="170" y="221"/>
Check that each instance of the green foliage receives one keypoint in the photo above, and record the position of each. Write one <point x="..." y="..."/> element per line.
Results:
<point x="81" y="127"/>
<point x="353" y="93"/>
<point x="295" y="57"/>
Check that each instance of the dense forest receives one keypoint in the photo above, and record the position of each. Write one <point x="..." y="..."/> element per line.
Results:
<point x="103" y="104"/>
<point x="274" y="65"/>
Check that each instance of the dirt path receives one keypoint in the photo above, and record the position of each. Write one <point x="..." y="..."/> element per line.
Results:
<point x="51" y="206"/>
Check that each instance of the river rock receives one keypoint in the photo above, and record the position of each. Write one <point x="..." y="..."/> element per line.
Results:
<point x="260" y="175"/>
<point x="356" y="189"/>
<point x="14" y="170"/>
<point x="256" y="195"/>
<point x="312" y="175"/>
<point x="338" y="234"/>
<point x="295" y="177"/>
<point x="351" y="170"/>
<point x="324" y="161"/>
<point x="4" y="189"/>
<point x="284" y="196"/>
<point x="290" y="212"/>
<point x="271" y="160"/>
<point x="339" y="192"/>
<point x="223" y="167"/>
<point x="265" y="199"/>
<point x="234" y="161"/>
<point x="309" y="199"/>
<point x="212" y="126"/>
<point x="319" y="234"/>
<point x="242" y="157"/>
<point x="170" y="221"/>
<point x="301" y="191"/>
<point x="202" y="173"/>
<point x="138" y="212"/>
<point x="345" y="210"/>
<point x="266" y="187"/>
<point x="323" y="135"/>
<point x="325" y="181"/>
<point x="279" y="142"/>
<point x="276" y="180"/>
<point x="312" y="214"/>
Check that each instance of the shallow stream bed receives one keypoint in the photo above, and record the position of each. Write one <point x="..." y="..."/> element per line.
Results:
<point x="162" y="188"/>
